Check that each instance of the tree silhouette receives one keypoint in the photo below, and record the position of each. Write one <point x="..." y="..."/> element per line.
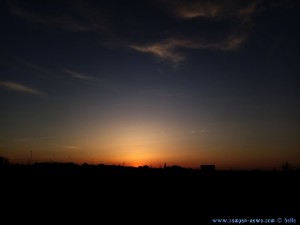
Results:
<point x="286" y="166"/>
<point x="3" y="161"/>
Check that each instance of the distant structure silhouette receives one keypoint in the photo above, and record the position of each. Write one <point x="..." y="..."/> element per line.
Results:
<point x="286" y="166"/>
<point x="208" y="168"/>
<point x="4" y="161"/>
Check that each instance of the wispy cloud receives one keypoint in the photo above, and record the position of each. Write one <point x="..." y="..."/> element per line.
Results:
<point x="230" y="43"/>
<point x="211" y="9"/>
<point x="166" y="49"/>
<point x="171" y="49"/>
<point x="20" y="88"/>
<point x="162" y="92"/>
<point x="35" y="68"/>
<point x="81" y="16"/>
<point x="21" y="66"/>
<point x="235" y="15"/>
<point x="35" y="139"/>
<point x="79" y="75"/>
<point x="71" y="147"/>
<point x="95" y="81"/>
<point x="230" y="23"/>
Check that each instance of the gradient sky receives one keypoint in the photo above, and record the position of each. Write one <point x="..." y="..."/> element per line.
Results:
<point x="151" y="82"/>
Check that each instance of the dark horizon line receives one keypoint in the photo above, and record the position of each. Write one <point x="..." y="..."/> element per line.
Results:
<point x="203" y="167"/>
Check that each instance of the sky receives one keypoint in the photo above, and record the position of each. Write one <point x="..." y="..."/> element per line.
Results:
<point x="151" y="82"/>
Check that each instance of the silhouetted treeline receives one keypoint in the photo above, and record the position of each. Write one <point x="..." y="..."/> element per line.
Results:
<point x="46" y="170"/>
<point x="73" y="168"/>
<point x="171" y="192"/>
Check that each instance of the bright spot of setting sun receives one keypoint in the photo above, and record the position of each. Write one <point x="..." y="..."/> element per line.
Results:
<point x="135" y="144"/>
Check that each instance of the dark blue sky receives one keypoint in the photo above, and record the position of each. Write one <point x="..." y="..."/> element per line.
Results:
<point x="148" y="82"/>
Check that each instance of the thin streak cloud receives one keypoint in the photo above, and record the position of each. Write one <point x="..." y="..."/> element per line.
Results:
<point x="166" y="49"/>
<point x="20" y="88"/>
<point x="34" y="68"/>
<point x="171" y="49"/>
<point x="230" y="24"/>
<point x="94" y="81"/>
<point x="71" y="147"/>
<point x="78" y="75"/>
<point x="64" y="22"/>
<point x="212" y="9"/>
<point x="79" y="20"/>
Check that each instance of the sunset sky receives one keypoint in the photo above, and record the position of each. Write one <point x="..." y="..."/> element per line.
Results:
<point x="148" y="82"/>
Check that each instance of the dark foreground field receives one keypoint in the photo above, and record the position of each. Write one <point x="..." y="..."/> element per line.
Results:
<point x="117" y="194"/>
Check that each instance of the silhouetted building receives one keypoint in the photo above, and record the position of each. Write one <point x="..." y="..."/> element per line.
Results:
<point x="3" y="161"/>
<point x="208" y="168"/>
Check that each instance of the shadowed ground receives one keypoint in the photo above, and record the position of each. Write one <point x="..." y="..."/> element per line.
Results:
<point x="116" y="193"/>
